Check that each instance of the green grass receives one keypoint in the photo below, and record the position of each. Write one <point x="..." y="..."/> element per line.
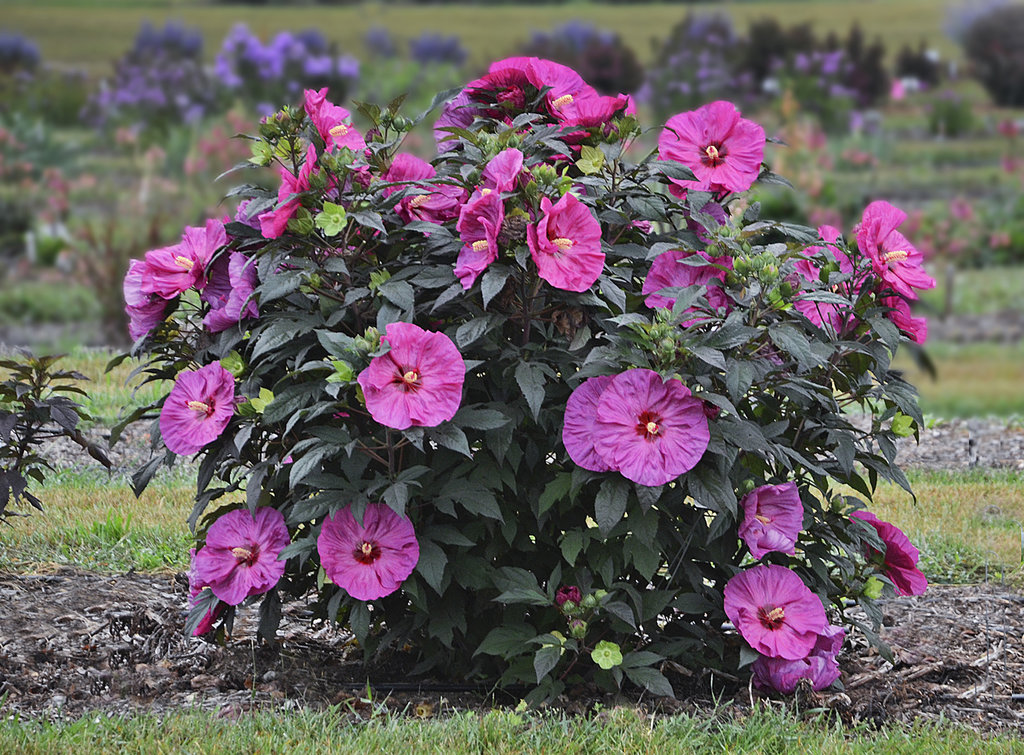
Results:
<point x="973" y="380"/>
<point x="34" y="302"/>
<point x="98" y="524"/>
<point x="618" y="730"/>
<point x="967" y="524"/>
<point x="93" y="33"/>
<point x="110" y="393"/>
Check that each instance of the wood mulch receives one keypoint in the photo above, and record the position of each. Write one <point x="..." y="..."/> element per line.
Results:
<point x="78" y="643"/>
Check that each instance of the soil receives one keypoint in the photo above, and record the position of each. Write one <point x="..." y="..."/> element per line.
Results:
<point x="84" y="643"/>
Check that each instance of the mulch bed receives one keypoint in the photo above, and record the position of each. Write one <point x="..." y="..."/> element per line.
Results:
<point x="79" y="643"/>
<point x="74" y="643"/>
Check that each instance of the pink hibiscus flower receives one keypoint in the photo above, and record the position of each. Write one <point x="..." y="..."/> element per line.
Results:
<point x="775" y="612"/>
<point x="667" y="271"/>
<point x="915" y="328"/>
<point x="240" y="555"/>
<point x="418" y="382"/>
<point x="649" y="429"/>
<point x="332" y="122"/>
<point x="566" y="244"/>
<point x="479" y="224"/>
<point x="439" y="203"/>
<point x="503" y="170"/>
<point x="900" y="558"/>
<point x="893" y="258"/>
<point x="274" y="222"/>
<point x="145" y="311"/>
<point x="723" y="150"/>
<point x="198" y="408"/>
<point x="581" y="422"/>
<point x="170" y="271"/>
<point x="229" y="292"/>
<point x="773" y="518"/>
<point x="820" y="668"/>
<point x="823" y="313"/>
<point x="195" y="586"/>
<point x="372" y="559"/>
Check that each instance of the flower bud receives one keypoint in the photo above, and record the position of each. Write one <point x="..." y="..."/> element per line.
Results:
<point x="873" y="588"/>
<point x="578" y="629"/>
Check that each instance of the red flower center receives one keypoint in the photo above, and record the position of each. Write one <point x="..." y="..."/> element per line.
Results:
<point x="714" y="155"/>
<point x="771" y="619"/>
<point x="367" y="552"/>
<point x="244" y="555"/>
<point x="201" y="407"/>
<point x="648" y="425"/>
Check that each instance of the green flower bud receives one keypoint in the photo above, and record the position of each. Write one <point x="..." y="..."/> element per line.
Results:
<point x="578" y="629"/>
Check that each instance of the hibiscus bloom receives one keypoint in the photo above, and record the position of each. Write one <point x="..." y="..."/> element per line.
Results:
<point x="145" y="311"/>
<point x="566" y="244"/>
<point x="822" y="313"/>
<point x="723" y="150"/>
<point x="900" y="559"/>
<point x="773" y="518"/>
<point x="436" y="204"/>
<point x="240" y="555"/>
<point x="893" y="258"/>
<point x="668" y="271"/>
<point x="581" y="421"/>
<point x="649" y="429"/>
<point x="195" y="586"/>
<point x="503" y="170"/>
<point x="820" y="668"/>
<point x="479" y="224"/>
<point x="274" y="222"/>
<point x="915" y="328"/>
<point x="198" y="408"/>
<point x="418" y="382"/>
<point x="775" y="612"/>
<point x="229" y="292"/>
<point x="372" y="559"/>
<point x="170" y="271"/>
<point x="332" y="122"/>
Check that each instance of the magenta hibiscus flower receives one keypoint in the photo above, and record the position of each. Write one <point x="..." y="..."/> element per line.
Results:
<point x="893" y="258"/>
<point x="195" y="586"/>
<point x="240" y="555"/>
<point x="773" y="518"/>
<point x="372" y="559"/>
<point x="566" y="244"/>
<point x="332" y="122"/>
<point x="820" y="668"/>
<point x="581" y="422"/>
<point x="274" y="222"/>
<point x="823" y="313"/>
<point x="145" y="311"/>
<point x="915" y="328"/>
<point x="900" y="559"/>
<point x="198" y="408"/>
<point x="667" y="271"/>
<point x="723" y="150"/>
<point x="649" y="429"/>
<point x="775" y="612"/>
<point x="418" y="382"/>
<point x="439" y="203"/>
<point x="479" y="224"/>
<point x="503" y="170"/>
<point x="229" y="292"/>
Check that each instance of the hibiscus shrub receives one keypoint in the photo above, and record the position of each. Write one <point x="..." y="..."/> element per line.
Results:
<point x="544" y="409"/>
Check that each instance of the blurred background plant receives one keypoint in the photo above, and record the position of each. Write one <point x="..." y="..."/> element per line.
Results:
<point x="598" y="55"/>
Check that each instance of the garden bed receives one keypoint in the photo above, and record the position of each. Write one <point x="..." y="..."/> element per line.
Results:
<point x="115" y="644"/>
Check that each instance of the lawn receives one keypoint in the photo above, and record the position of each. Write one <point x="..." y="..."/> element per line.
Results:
<point x="92" y="33"/>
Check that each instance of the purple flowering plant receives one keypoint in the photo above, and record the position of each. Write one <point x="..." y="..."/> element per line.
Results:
<point x="461" y="395"/>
